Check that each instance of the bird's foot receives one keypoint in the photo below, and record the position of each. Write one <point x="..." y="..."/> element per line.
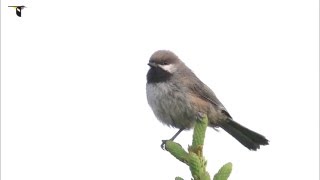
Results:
<point x="200" y="116"/>
<point x="171" y="139"/>
<point x="163" y="144"/>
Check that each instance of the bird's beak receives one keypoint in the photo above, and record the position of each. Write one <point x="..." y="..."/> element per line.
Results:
<point x="152" y="64"/>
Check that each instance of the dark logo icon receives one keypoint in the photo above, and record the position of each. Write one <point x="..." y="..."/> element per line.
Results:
<point x="18" y="9"/>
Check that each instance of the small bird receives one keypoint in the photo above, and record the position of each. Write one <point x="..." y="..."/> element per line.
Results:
<point x="177" y="96"/>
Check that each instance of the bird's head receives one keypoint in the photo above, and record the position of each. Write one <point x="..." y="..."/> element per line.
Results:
<point x="165" y="60"/>
<point x="163" y="65"/>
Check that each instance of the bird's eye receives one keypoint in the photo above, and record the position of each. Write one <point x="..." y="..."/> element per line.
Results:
<point x="164" y="63"/>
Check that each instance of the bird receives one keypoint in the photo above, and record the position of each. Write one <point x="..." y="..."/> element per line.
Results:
<point x="177" y="97"/>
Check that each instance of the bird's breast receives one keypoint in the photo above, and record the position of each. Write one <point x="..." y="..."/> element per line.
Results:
<point x="171" y="105"/>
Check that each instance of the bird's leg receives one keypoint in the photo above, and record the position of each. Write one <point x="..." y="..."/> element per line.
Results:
<point x="175" y="135"/>
<point x="171" y="139"/>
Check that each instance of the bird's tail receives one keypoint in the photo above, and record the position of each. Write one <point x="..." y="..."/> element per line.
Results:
<point x="245" y="136"/>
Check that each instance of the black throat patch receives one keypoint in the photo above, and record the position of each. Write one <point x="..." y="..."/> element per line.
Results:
<point x="156" y="74"/>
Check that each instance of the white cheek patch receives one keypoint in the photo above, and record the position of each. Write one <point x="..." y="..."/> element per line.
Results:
<point x="170" y="68"/>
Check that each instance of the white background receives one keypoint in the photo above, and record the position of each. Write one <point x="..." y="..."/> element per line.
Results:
<point x="73" y="77"/>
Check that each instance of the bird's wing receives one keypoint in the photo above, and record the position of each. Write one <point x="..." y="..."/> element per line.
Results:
<point x="199" y="89"/>
<point x="204" y="92"/>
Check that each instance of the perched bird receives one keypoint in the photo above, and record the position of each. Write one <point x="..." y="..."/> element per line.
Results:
<point x="177" y="96"/>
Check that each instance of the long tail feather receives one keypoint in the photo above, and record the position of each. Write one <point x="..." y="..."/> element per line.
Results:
<point x="245" y="136"/>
